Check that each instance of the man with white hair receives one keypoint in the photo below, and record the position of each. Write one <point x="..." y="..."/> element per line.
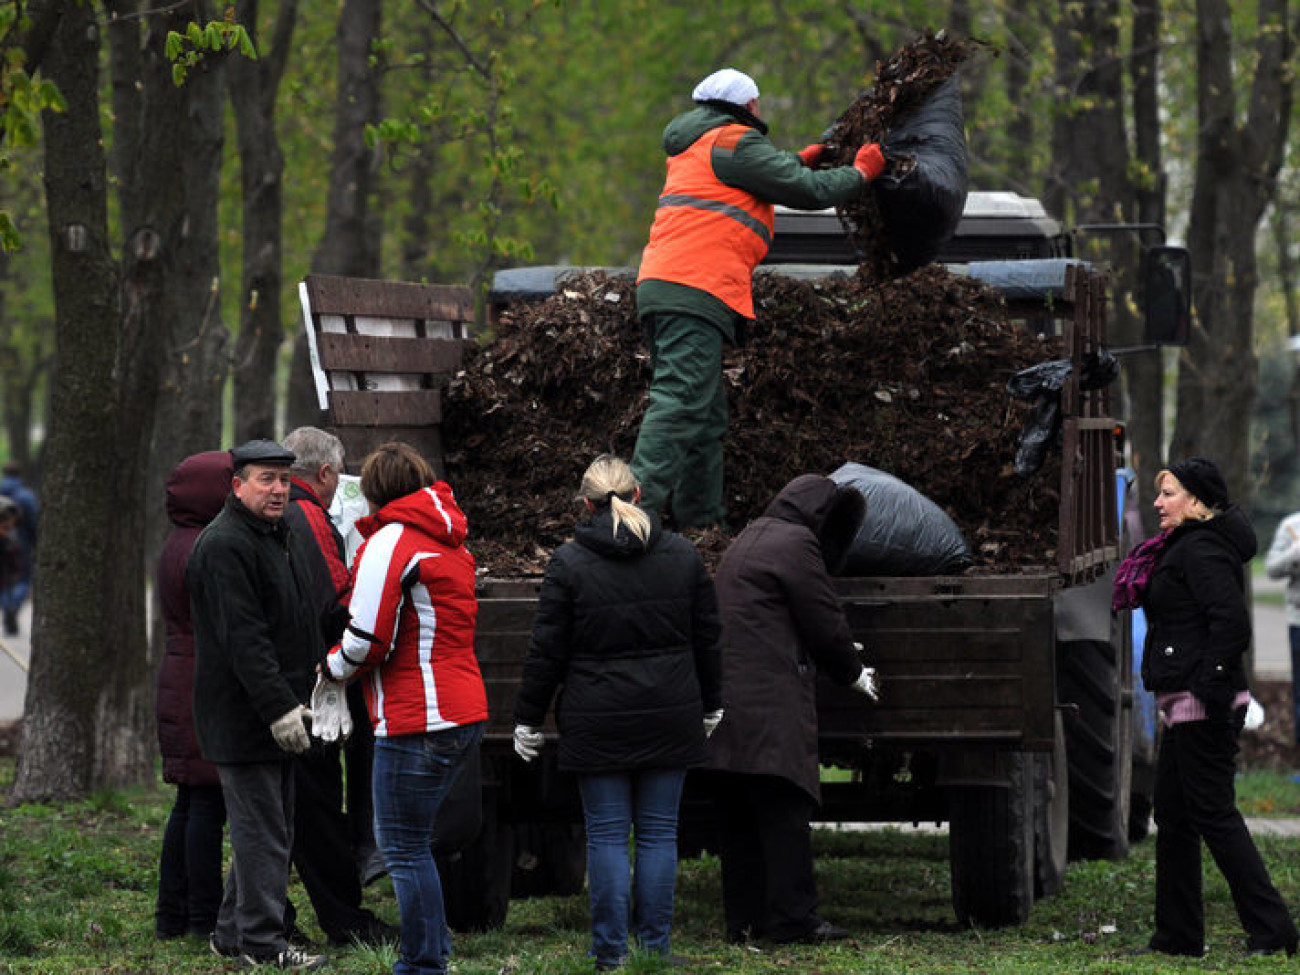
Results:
<point x="326" y="841"/>
<point x="713" y="224"/>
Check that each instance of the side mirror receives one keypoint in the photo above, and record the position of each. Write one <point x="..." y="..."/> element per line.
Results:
<point x="1167" y="295"/>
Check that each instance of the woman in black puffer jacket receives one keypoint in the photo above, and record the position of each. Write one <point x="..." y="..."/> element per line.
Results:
<point x="189" y="870"/>
<point x="1189" y="581"/>
<point x="626" y="633"/>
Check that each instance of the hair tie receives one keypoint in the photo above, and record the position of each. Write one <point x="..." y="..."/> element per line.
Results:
<point x="610" y="496"/>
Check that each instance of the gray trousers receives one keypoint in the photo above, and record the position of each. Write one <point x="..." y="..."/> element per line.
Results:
<point x="259" y="809"/>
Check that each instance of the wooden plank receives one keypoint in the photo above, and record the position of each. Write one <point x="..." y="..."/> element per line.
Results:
<point x="373" y="353"/>
<point x="407" y="408"/>
<point x="358" y="442"/>
<point x="333" y="295"/>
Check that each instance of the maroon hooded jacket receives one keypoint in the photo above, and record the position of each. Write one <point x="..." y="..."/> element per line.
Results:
<point x="196" y="490"/>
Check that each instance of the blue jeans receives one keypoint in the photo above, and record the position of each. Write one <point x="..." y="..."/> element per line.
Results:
<point x="615" y="804"/>
<point x="412" y="775"/>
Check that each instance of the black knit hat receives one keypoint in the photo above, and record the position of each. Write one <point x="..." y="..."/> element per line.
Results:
<point x="1202" y="479"/>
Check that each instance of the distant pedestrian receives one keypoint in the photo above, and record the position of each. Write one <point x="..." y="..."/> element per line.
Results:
<point x="1190" y="581"/>
<point x="15" y="592"/>
<point x="627" y="625"/>
<point x="189" y="869"/>
<point x="1283" y="562"/>
<point x="11" y="560"/>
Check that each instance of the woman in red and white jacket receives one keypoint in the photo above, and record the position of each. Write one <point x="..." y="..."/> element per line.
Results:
<point x="411" y="640"/>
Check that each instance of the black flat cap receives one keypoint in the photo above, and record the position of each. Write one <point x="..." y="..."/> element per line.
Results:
<point x="262" y="452"/>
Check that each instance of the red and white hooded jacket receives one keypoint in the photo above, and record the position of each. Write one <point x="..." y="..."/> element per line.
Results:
<point x="413" y="612"/>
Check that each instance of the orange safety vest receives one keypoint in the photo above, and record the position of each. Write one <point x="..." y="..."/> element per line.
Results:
<point x="706" y="234"/>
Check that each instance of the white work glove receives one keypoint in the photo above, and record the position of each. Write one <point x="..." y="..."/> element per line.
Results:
<point x="1254" y="716"/>
<point x="867" y="683"/>
<point x="290" y="730"/>
<point x="330" y="717"/>
<point x="528" y="742"/>
<point x="711" y="721"/>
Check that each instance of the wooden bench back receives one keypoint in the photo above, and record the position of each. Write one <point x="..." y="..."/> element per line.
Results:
<point x="382" y="353"/>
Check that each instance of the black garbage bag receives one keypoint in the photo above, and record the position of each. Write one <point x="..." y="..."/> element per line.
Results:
<point x="904" y="532"/>
<point x="1042" y="384"/>
<point x="921" y="208"/>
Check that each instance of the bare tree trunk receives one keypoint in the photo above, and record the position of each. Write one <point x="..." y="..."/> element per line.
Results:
<point x="1089" y="148"/>
<point x="1236" y="179"/>
<point x="168" y="147"/>
<point x="1143" y="372"/>
<point x="71" y="654"/>
<point x="1286" y="283"/>
<point x="349" y="245"/>
<point x="253" y="89"/>
<point x="415" y="262"/>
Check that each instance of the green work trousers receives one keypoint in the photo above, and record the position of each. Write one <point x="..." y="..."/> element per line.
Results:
<point x="678" y="457"/>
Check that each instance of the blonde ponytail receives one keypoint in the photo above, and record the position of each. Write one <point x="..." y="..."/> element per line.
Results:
<point x="610" y="480"/>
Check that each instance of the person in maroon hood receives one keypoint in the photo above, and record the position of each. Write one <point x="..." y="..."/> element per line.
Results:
<point x="189" y="870"/>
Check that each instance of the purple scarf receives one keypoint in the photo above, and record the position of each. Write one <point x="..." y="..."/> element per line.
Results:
<point x="1134" y="573"/>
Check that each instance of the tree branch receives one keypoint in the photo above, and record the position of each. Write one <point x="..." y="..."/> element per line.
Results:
<point x="456" y="39"/>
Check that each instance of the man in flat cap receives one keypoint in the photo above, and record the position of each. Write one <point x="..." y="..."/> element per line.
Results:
<point x="256" y="640"/>
<point x="714" y="223"/>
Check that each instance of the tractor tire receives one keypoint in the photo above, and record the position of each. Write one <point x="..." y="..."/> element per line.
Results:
<point x="1094" y="686"/>
<point x="991" y="848"/>
<point x="1051" y="816"/>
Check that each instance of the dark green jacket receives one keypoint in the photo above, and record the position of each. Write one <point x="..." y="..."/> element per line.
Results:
<point x="757" y="167"/>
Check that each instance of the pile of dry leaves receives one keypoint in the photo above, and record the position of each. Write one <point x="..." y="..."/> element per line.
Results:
<point x="908" y="376"/>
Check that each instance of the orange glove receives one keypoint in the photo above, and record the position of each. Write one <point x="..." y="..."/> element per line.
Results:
<point x="811" y="155"/>
<point x="869" y="161"/>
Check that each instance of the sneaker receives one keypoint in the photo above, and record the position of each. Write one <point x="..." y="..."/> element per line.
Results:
<point x="291" y="959"/>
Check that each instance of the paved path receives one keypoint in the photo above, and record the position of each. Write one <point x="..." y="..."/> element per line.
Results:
<point x="1272" y="642"/>
<point x="1258" y="825"/>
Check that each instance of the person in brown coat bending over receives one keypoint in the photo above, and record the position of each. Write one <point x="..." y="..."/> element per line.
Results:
<point x="781" y="623"/>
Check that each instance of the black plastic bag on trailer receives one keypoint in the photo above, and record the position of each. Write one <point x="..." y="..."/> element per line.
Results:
<point x="921" y="209"/>
<point x="1042" y="384"/>
<point x="904" y="532"/>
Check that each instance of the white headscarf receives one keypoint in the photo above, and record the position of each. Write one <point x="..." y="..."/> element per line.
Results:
<point x="726" y="85"/>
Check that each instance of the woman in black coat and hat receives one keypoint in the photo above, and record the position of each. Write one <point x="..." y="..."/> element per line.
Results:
<point x="1190" y="582"/>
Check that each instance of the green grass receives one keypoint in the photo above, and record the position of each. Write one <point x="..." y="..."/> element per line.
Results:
<point x="77" y="889"/>
<point x="1268" y="793"/>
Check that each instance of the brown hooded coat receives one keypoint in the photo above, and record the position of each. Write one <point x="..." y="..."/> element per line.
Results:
<point x="781" y="623"/>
